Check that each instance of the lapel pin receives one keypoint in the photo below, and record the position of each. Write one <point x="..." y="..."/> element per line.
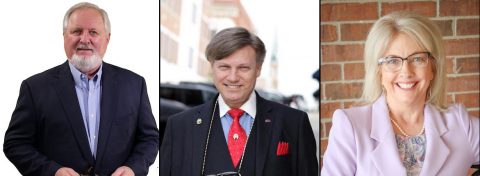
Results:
<point x="268" y="120"/>
<point x="199" y="121"/>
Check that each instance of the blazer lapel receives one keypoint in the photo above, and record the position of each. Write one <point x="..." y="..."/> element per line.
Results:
<point x="437" y="151"/>
<point x="385" y="156"/>
<point x="65" y="88"/>
<point x="108" y="107"/>
<point x="264" y="133"/>
<point x="200" y="133"/>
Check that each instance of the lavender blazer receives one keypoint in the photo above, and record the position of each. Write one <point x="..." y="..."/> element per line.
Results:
<point x="362" y="142"/>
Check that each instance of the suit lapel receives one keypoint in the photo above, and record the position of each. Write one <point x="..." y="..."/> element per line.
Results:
<point x="264" y="133"/>
<point x="108" y="107"/>
<point x="65" y="88"/>
<point x="437" y="150"/>
<point x="200" y="133"/>
<point x="385" y="156"/>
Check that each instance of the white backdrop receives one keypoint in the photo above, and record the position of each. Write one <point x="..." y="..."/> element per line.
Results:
<point x="31" y="41"/>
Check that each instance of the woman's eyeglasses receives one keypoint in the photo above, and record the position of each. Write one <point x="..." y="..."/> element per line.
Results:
<point x="395" y="63"/>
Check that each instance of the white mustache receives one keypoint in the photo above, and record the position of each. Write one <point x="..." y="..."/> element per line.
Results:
<point x="84" y="47"/>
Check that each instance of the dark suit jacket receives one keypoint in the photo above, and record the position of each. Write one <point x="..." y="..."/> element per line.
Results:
<point x="47" y="132"/>
<point x="182" y="149"/>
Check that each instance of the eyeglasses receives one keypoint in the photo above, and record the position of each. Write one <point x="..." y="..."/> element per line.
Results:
<point x="226" y="174"/>
<point x="395" y="63"/>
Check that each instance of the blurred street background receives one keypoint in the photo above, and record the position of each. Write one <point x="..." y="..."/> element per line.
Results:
<point x="290" y="31"/>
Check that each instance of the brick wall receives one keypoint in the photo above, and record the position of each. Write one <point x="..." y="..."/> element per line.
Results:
<point x="344" y="28"/>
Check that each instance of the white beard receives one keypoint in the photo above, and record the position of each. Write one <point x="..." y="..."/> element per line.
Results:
<point x="86" y="64"/>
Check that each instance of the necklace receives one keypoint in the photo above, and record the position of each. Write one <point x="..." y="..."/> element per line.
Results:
<point x="401" y="130"/>
<point x="398" y="126"/>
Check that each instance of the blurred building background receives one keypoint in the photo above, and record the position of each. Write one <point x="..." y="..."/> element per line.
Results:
<point x="186" y="28"/>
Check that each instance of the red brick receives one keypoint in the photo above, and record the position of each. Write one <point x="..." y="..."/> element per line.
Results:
<point x="474" y="113"/>
<point x="355" y="32"/>
<point x="461" y="83"/>
<point x="468" y="65"/>
<point x="467" y="27"/>
<point x="322" y="128"/>
<point x="459" y="7"/>
<point x="332" y="53"/>
<point x="449" y="65"/>
<point x="322" y="97"/>
<point x="348" y="11"/>
<point x="461" y="46"/>
<point x="328" y="33"/>
<point x="353" y="71"/>
<point x="328" y="126"/>
<point x="323" y="146"/>
<point x="424" y="8"/>
<point x="470" y="100"/>
<point x="445" y="27"/>
<point x="336" y="91"/>
<point x="330" y="72"/>
<point x="327" y="109"/>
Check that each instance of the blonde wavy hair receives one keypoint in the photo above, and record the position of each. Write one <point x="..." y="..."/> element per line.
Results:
<point x="427" y="35"/>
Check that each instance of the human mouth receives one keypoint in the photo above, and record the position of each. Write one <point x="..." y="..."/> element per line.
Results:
<point x="406" y="85"/>
<point x="233" y="86"/>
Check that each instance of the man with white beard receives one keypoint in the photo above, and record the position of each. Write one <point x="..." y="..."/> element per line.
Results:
<point x="85" y="116"/>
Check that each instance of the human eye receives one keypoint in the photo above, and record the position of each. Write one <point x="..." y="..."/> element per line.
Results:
<point x="419" y="58"/>
<point x="93" y="33"/>
<point x="244" y="68"/>
<point x="223" y="67"/>
<point x="76" y="32"/>
<point x="393" y="61"/>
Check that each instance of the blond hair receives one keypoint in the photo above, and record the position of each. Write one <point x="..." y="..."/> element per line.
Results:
<point x="427" y="35"/>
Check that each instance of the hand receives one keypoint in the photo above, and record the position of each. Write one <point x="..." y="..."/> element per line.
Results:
<point x="65" y="171"/>
<point x="123" y="171"/>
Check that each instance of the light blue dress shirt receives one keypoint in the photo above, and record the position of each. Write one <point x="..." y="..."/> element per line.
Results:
<point x="88" y="94"/>
<point x="246" y="120"/>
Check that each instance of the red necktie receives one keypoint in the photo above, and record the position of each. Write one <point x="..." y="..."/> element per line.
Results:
<point x="236" y="136"/>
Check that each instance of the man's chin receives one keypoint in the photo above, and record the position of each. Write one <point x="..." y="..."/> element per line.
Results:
<point x="86" y="64"/>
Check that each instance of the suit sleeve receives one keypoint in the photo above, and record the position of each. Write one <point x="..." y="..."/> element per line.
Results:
<point x="146" y="145"/>
<point x="166" y="150"/>
<point x="339" y="158"/>
<point x="19" y="145"/>
<point x="471" y="125"/>
<point x="307" y="159"/>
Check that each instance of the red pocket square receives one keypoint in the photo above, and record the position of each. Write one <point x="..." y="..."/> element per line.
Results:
<point x="282" y="148"/>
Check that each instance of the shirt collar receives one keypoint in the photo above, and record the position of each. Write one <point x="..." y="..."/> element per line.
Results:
<point x="77" y="75"/>
<point x="250" y="107"/>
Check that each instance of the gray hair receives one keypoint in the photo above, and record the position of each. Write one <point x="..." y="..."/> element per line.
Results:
<point x="229" y="40"/>
<point x="84" y="5"/>
<point x="427" y="35"/>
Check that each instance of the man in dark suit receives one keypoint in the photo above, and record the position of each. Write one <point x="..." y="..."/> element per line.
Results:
<point x="84" y="116"/>
<point x="238" y="131"/>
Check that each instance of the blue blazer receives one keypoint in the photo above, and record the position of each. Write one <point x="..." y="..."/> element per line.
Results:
<point x="183" y="145"/>
<point x="47" y="132"/>
<point x="362" y="142"/>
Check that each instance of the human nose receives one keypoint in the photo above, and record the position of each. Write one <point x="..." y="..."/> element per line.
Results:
<point x="85" y="38"/>
<point x="406" y="70"/>
<point x="232" y="76"/>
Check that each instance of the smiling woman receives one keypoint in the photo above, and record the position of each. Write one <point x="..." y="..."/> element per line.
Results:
<point x="404" y="126"/>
